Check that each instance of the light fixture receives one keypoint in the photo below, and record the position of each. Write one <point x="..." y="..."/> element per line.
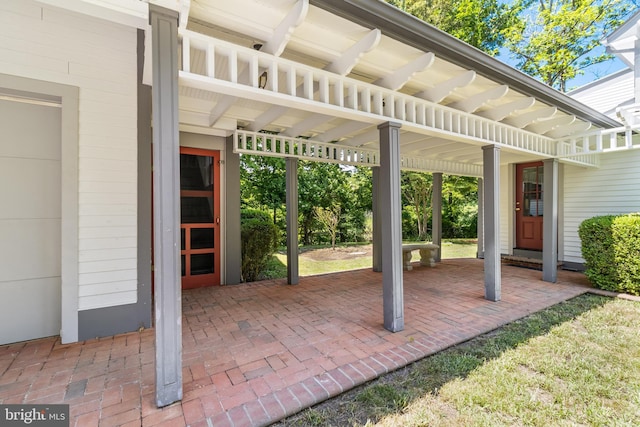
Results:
<point x="262" y="83"/>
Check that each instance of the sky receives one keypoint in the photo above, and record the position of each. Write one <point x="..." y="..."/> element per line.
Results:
<point x="591" y="73"/>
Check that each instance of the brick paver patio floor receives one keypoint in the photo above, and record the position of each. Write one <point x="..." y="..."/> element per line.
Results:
<point x="255" y="353"/>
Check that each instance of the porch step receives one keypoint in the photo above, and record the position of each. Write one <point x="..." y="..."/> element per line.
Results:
<point x="520" y="261"/>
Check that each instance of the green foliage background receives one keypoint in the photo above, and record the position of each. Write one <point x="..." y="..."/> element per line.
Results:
<point x="332" y="186"/>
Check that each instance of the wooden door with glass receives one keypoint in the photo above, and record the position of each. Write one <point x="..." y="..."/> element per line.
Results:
<point x="200" y="217"/>
<point x="529" y="205"/>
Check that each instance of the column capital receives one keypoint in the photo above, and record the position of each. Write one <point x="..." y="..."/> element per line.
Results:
<point x="166" y="12"/>
<point x="389" y="125"/>
<point x="491" y="147"/>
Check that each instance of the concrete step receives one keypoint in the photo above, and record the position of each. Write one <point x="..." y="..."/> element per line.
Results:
<point x="519" y="261"/>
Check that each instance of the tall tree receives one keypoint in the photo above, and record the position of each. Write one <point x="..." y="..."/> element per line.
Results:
<point x="559" y="38"/>
<point x="263" y="182"/>
<point x="481" y="23"/>
<point x="416" y="189"/>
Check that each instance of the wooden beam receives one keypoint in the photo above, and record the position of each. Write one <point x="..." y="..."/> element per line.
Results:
<point x="281" y="35"/>
<point x="573" y="128"/>
<point x="267" y="117"/>
<point x="305" y="125"/>
<point x="340" y="131"/>
<point x="544" y="126"/>
<point x="444" y="89"/>
<point x="501" y="111"/>
<point x="185" y="7"/>
<point x="527" y="118"/>
<point x="401" y="76"/>
<point x="220" y="109"/>
<point x="472" y="103"/>
<point x="351" y="56"/>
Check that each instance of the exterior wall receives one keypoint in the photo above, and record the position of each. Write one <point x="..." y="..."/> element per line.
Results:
<point x="99" y="58"/>
<point x="611" y="189"/>
<point x="507" y="227"/>
<point x="607" y="93"/>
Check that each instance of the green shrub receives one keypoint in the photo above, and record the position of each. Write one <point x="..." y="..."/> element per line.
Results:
<point x="259" y="239"/>
<point x="611" y="249"/>
<point x="626" y="238"/>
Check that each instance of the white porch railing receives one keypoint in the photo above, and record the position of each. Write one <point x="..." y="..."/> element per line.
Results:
<point x="227" y="63"/>
<point x="212" y="63"/>
<point x="585" y="146"/>
<point x="264" y="144"/>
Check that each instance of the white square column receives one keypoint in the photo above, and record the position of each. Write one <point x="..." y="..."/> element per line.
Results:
<point x="391" y="226"/>
<point x="166" y="205"/>
<point x="550" y="221"/>
<point x="491" y="192"/>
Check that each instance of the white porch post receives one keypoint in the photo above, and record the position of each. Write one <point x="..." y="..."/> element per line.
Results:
<point x="293" y="276"/>
<point x="550" y="222"/>
<point x="436" y="214"/>
<point x="377" y="226"/>
<point x="391" y="225"/>
<point x="166" y="205"/>
<point x="480" y="253"/>
<point x="492" y="267"/>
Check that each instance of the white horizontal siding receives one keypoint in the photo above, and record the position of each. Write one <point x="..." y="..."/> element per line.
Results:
<point x="99" y="57"/>
<point x="608" y="93"/>
<point x="614" y="188"/>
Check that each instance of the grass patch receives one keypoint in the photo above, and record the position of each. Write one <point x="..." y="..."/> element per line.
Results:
<point x="576" y="363"/>
<point x="277" y="266"/>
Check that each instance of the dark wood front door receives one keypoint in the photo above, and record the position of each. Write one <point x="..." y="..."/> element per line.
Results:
<point x="200" y="217"/>
<point x="529" y="205"/>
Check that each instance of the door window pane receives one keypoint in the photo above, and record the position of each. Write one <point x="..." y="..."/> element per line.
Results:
<point x="202" y="264"/>
<point x="196" y="209"/>
<point x="202" y="238"/>
<point x="196" y="172"/>
<point x="532" y="182"/>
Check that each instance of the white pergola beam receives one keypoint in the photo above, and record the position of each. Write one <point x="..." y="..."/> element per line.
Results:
<point x="351" y="56"/>
<point x="500" y="112"/>
<point x="544" y="126"/>
<point x="444" y="89"/>
<point x="185" y="7"/>
<point x="267" y="117"/>
<point x="528" y="118"/>
<point x="364" y="138"/>
<point x="472" y="103"/>
<point x="281" y="35"/>
<point x="220" y="109"/>
<point x="401" y="76"/>
<point x="571" y="129"/>
<point x="309" y="123"/>
<point x="424" y="143"/>
<point x="341" y="131"/>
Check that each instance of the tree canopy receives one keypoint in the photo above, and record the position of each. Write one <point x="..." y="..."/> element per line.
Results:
<point x="552" y="40"/>
<point x="480" y="23"/>
<point x="559" y="38"/>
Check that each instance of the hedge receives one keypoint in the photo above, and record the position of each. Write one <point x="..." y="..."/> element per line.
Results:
<point x="611" y="249"/>
<point x="259" y="240"/>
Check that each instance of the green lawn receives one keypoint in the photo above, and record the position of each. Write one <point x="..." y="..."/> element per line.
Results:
<point x="451" y="248"/>
<point x="577" y="363"/>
